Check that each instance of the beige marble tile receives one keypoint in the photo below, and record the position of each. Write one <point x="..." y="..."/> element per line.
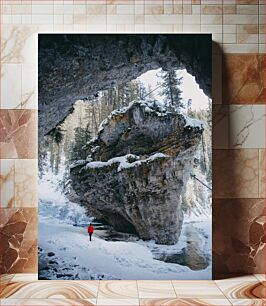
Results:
<point x="236" y="279"/>
<point x="42" y="19"/>
<point x="191" y="19"/>
<point x="18" y="133"/>
<point x="124" y="1"/>
<point x="211" y="19"/>
<point x="117" y="302"/>
<point x="248" y="302"/>
<point x="139" y="19"/>
<point x="195" y="9"/>
<point x="247" y="287"/>
<point x="240" y="48"/>
<point x="48" y="302"/>
<point x="229" y="8"/>
<point x="153" y="9"/>
<point x="178" y="9"/>
<point x="139" y="8"/>
<point x="7" y="183"/>
<point x="262" y="171"/>
<point x="79" y="19"/>
<point x="156" y="28"/>
<point x="19" y="44"/>
<point x="5" y="279"/>
<point x="211" y="9"/>
<point x="156" y="289"/>
<point x="197" y="289"/>
<point x="125" y="28"/>
<point x="96" y="9"/>
<point x="262" y="49"/>
<point x="184" y="302"/>
<point x="118" y="290"/>
<point x="191" y="28"/>
<point x="51" y="290"/>
<point x="247" y="126"/>
<point x="163" y="19"/>
<point x="29" y="86"/>
<point x="243" y="78"/>
<point x="240" y="19"/>
<point x="235" y="173"/>
<point x="168" y="8"/>
<point x="187" y="9"/>
<point x="217" y="38"/>
<point x="248" y="28"/>
<point x="79" y="9"/>
<point x="247" y="9"/>
<point x="25" y="277"/>
<point x="215" y="28"/>
<point x="111" y="10"/>
<point x="11" y="86"/>
<point x="210" y="2"/>
<point x="229" y="28"/>
<point x="43" y="9"/>
<point x="229" y="38"/>
<point x="247" y="1"/>
<point x="119" y="19"/>
<point x="247" y="38"/>
<point x="260" y="277"/>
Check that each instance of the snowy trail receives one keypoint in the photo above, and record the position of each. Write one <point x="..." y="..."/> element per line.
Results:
<point x="117" y="259"/>
<point x="75" y="255"/>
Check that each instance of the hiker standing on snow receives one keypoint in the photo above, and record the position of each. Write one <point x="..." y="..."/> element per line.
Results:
<point x="90" y="230"/>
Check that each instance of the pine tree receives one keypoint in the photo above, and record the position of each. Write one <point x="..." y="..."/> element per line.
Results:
<point x="189" y="108"/>
<point x="82" y="136"/>
<point x="171" y="90"/>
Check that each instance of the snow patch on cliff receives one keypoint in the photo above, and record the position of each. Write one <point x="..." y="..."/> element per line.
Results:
<point x="124" y="162"/>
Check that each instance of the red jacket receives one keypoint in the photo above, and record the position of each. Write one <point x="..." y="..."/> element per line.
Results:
<point x="90" y="229"/>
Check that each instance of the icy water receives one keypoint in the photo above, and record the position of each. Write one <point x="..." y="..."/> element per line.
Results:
<point x="65" y="251"/>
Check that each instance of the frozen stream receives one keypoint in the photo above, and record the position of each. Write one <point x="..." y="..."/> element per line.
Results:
<point x="65" y="251"/>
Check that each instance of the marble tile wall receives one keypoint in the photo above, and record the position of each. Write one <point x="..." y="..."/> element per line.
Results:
<point x="238" y="29"/>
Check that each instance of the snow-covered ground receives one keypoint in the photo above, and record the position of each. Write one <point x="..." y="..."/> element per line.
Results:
<point x="73" y="256"/>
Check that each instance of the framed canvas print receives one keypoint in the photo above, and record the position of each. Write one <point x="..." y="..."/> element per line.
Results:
<point x="125" y="173"/>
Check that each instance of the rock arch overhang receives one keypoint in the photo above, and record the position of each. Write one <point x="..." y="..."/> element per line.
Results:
<point x="73" y="67"/>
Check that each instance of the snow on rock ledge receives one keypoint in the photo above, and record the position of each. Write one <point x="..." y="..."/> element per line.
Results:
<point x="137" y="169"/>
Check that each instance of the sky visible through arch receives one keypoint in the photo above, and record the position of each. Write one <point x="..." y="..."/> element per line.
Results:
<point x="190" y="88"/>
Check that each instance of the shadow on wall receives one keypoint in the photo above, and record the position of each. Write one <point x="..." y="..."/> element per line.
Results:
<point x="239" y="217"/>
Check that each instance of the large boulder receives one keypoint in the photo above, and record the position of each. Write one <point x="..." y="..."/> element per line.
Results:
<point x="137" y="169"/>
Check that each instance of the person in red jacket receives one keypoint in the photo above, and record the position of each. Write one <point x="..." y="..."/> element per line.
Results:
<point x="90" y="230"/>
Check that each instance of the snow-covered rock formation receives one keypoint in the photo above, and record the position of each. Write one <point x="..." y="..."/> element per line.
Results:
<point x="137" y="169"/>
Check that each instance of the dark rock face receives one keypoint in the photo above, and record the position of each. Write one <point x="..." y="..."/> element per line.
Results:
<point x="142" y="129"/>
<point x="190" y="256"/>
<point x="73" y="67"/>
<point x="136" y="171"/>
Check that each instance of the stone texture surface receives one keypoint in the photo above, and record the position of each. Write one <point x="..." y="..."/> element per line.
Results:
<point x="238" y="236"/>
<point x="18" y="232"/>
<point x="26" y="174"/>
<point x="243" y="79"/>
<point x="235" y="173"/>
<point x="142" y="192"/>
<point x="247" y="126"/>
<point x="262" y="173"/>
<point x="7" y="183"/>
<point x="18" y="134"/>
